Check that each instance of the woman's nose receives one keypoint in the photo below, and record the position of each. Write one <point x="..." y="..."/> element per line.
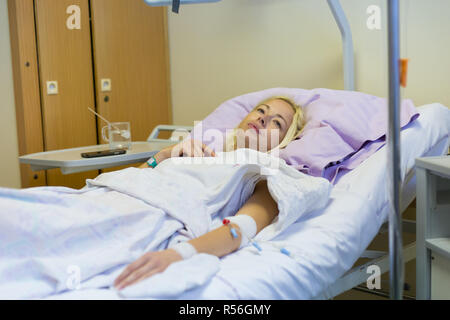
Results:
<point x="263" y="121"/>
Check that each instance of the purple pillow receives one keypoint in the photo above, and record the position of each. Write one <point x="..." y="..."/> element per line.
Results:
<point x="339" y="124"/>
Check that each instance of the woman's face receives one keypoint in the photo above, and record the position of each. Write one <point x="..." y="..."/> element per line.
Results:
<point x="266" y="126"/>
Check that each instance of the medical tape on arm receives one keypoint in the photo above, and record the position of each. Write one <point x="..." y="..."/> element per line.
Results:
<point x="185" y="250"/>
<point x="247" y="226"/>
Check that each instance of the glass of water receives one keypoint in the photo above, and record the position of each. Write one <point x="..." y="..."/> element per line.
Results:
<point x="119" y="135"/>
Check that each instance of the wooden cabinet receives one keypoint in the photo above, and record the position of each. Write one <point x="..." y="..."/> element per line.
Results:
<point x="124" y="41"/>
<point x="65" y="57"/>
<point x="134" y="34"/>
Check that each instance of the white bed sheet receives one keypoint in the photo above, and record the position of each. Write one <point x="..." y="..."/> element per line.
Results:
<point x="327" y="243"/>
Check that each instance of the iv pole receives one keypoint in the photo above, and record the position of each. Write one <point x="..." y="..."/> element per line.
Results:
<point x="396" y="266"/>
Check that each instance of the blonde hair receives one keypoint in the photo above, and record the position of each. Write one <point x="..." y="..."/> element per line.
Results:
<point x="294" y="131"/>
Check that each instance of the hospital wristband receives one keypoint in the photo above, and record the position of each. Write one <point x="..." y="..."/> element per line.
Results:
<point x="247" y="226"/>
<point x="185" y="250"/>
<point x="152" y="162"/>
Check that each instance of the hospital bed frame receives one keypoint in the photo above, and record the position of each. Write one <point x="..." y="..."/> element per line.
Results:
<point x="359" y="274"/>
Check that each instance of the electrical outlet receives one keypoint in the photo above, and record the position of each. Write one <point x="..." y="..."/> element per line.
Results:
<point x="106" y="85"/>
<point x="52" y="87"/>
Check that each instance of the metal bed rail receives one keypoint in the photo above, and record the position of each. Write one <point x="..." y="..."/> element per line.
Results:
<point x="358" y="275"/>
<point x="177" y="132"/>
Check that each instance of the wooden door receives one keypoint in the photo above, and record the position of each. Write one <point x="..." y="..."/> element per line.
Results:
<point x="65" y="56"/>
<point x="130" y="49"/>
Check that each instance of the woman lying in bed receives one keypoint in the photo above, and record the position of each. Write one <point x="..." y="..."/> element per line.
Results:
<point x="272" y="124"/>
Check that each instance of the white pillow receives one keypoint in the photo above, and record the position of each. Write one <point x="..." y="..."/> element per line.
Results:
<point x="427" y="136"/>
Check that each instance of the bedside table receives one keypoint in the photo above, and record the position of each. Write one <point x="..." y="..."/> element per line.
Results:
<point x="433" y="228"/>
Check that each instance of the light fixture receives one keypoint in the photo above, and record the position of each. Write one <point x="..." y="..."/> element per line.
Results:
<point x="175" y="3"/>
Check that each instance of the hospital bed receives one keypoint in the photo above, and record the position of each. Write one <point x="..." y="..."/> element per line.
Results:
<point x="329" y="241"/>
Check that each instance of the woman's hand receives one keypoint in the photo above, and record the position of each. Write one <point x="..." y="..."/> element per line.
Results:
<point x="186" y="148"/>
<point x="146" y="266"/>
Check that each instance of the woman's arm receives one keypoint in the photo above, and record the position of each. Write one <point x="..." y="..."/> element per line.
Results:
<point x="159" y="157"/>
<point x="260" y="206"/>
<point x="187" y="148"/>
<point x="219" y="242"/>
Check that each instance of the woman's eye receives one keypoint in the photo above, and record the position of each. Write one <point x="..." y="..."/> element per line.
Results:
<point x="278" y="124"/>
<point x="261" y="110"/>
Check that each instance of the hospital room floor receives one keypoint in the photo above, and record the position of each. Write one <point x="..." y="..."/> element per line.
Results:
<point x="381" y="243"/>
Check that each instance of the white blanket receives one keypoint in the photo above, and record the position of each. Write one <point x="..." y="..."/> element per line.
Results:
<point x="327" y="242"/>
<point x="58" y="239"/>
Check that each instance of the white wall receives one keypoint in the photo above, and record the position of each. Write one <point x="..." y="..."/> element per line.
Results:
<point x="9" y="164"/>
<point x="233" y="47"/>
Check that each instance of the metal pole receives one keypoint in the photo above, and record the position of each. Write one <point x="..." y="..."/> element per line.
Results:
<point x="347" y="43"/>
<point x="393" y="143"/>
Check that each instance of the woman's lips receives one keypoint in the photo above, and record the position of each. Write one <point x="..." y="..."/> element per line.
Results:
<point x="251" y="125"/>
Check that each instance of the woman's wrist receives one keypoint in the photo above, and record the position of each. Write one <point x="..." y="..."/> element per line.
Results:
<point x="162" y="155"/>
<point x="185" y="250"/>
<point x="218" y="242"/>
<point x="159" y="157"/>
